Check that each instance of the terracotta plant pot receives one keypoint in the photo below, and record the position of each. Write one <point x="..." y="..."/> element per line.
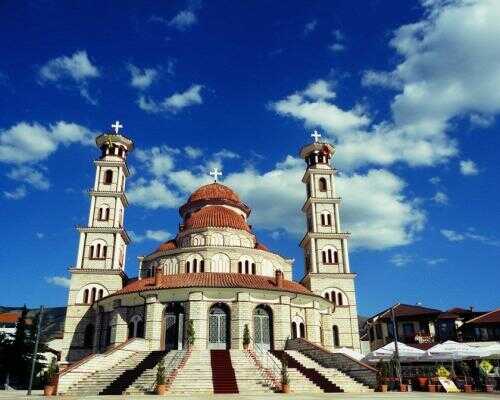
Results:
<point x="161" y="389"/>
<point x="432" y="388"/>
<point x="403" y="387"/>
<point x="488" y="388"/>
<point x="49" y="390"/>
<point x="468" y="388"/>
<point x="383" y="388"/>
<point x="285" y="388"/>
<point x="422" y="381"/>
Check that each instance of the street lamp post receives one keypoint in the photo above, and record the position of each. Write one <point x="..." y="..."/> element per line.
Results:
<point x="396" y="348"/>
<point x="35" y="350"/>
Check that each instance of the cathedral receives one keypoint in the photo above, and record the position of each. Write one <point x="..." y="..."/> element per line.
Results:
<point x="215" y="276"/>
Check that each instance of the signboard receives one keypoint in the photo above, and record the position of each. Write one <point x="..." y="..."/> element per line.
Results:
<point x="448" y="385"/>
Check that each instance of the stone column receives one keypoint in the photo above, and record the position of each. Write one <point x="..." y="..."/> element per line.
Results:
<point x="313" y="324"/>
<point x="154" y="314"/>
<point x="327" y="324"/>
<point x="119" y="328"/>
<point x="281" y="322"/>
<point x="197" y="312"/>
<point x="241" y="316"/>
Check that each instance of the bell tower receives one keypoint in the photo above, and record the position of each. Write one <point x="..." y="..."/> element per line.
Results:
<point x="325" y="245"/>
<point x="100" y="262"/>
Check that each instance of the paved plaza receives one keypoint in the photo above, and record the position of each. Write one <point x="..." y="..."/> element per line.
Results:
<point x="341" y="396"/>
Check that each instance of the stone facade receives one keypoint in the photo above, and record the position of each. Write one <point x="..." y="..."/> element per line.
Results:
<point x="214" y="276"/>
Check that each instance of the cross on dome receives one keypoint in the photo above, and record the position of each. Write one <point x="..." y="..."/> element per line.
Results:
<point x="117" y="126"/>
<point x="215" y="173"/>
<point x="316" y="135"/>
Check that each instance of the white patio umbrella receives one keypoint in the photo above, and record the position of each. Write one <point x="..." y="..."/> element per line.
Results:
<point x="386" y="353"/>
<point x="349" y="352"/>
<point x="452" y="351"/>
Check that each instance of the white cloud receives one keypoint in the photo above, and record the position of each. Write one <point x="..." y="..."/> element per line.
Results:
<point x="16" y="194"/>
<point x="435" y="180"/>
<point x="183" y="20"/>
<point x="468" y="167"/>
<point x="154" y="194"/>
<point x="380" y="78"/>
<point x="470" y="234"/>
<point x="193" y="152"/>
<point x="400" y="260"/>
<point x="225" y="153"/>
<point x="25" y="142"/>
<point x="310" y="27"/>
<point x="435" y="261"/>
<point x="142" y="79"/>
<point x="31" y="176"/>
<point x="58" y="281"/>
<point x="173" y="104"/>
<point x="159" y="160"/>
<point x="482" y="121"/>
<point x="337" y="47"/>
<point x="440" y="198"/>
<point x="320" y="90"/>
<point x="40" y="235"/>
<point x="77" y="67"/>
<point x="157" y="236"/>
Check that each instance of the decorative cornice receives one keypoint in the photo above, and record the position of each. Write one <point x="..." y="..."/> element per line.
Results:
<point x="112" y="163"/>
<point x="318" y="235"/>
<point x="103" y="193"/>
<point x="320" y="200"/>
<point x="104" y="229"/>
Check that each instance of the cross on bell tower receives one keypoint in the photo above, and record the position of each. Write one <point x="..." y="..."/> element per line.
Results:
<point x="215" y="173"/>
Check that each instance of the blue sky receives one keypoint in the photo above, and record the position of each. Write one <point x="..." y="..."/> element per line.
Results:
<point x="407" y="92"/>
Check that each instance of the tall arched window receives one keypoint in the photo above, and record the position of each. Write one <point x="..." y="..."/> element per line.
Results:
<point x="220" y="263"/>
<point x="100" y="294"/>
<point x="327" y="296"/>
<point x="334" y="297"/>
<point x="294" y="330"/>
<point x="85" y="296"/>
<point x="336" y="341"/>
<point x="302" y="330"/>
<point x="329" y="256"/>
<point x="326" y="219"/>
<point x="322" y="185"/>
<point x="93" y="294"/>
<point x="202" y="266"/>
<point x="195" y="265"/>
<point x="108" y="177"/>
<point x="254" y="269"/>
<point x="240" y="267"/>
<point x="188" y="267"/>
<point x="88" y="336"/>
<point x="246" y="266"/>
<point x="340" y="299"/>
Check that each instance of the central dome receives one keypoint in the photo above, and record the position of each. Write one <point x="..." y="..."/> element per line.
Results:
<point x="216" y="217"/>
<point x="214" y="191"/>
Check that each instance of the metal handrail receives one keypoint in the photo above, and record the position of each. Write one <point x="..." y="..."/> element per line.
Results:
<point x="271" y="364"/>
<point x="170" y="366"/>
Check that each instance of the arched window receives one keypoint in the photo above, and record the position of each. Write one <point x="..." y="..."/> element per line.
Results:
<point x="329" y="256"/>
<point x="334" y="298"/>
<point x="100" y="294"/>
<point x="188" y="267"/>
<point x="91" y="251"/>
<point x="340" y="299"/>
<point x="329" y="219"/>
<point x="136" y="327"/>
<point x="88" y="336"/>
<point x="302" y="329"/>
<point x="85" y="296"/>
<point x="254" y="269"/>
<point x="323" y="219"/>
<point x="326" y="219"/>
<point x="336" y="341"/>
<point x="294" y="330"/>
<point x="327" y="296"/>
<point x="93" y="294"/>
<point x="104" y="251"/>
<point x="202" y="266"/>
<point x="108" y="177"/>
<point x="220" y="263"/>
<point x="323" y="257"/>
<point x="195" y="265"/>
<point x="246" y="267"/>
<point x="240" y="267"/>
<point x="322" y="185"/>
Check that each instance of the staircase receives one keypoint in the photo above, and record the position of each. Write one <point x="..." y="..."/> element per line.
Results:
<point x="354" y="369"/>
<point x="96" y="382"/>
<point x="146" y="382"/>
<point x="341" y="380"/>
<point x="223" y="377"/>
<point x="310" y="373"/>
<point x="248" y="379"/>
<point x="195" y="376"/>
<point x="129" y="375"/>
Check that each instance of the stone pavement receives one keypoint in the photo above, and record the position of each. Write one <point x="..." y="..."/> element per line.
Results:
<point x="16" y="395"/>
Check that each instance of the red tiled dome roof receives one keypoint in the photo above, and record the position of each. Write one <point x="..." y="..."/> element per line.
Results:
<point x="169" y="245"/>
<point x="213" y="279"/>
<point x="214" y="191"/>
<point x="260" y="246"/>
<point x="216" y="217"/>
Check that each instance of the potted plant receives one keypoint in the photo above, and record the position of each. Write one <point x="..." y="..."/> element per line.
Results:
<point x="285" y="379"/>
<point x="484" y="369"/>
<point x="421" y="378"/>
<point x="431" y="386"/>
<point x="190" y="333"/>
<point x="161" y="387"/>
<point x="51" y="378"/>
<point x="246" y="337"/>
<point x="382" y="373"/>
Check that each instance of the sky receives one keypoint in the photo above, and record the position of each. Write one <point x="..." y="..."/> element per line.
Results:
<point x="407" y="91"/>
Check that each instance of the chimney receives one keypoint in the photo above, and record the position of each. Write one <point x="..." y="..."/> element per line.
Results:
<point x="158" y="274"/>
<point x="279" y="278"/>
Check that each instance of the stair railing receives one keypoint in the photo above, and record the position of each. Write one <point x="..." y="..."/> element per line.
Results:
<point x="169" y="368"/>
<point x="268" y="363"/>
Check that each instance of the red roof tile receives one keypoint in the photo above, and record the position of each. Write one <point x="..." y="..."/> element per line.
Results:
<point x="168" y="245"/>
<point x="216" y="217"/>
<point x="214" y="191"/>
<point x="493" y="317"/>
<point x="213" y="279"/>
<point x="9" y="317"/>
<point x="260" y="246"/>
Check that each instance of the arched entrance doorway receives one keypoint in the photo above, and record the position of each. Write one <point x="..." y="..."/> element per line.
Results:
<point x="219" y="321"/>
<point x="173" y="327"/>
<point x="262" y="328"/>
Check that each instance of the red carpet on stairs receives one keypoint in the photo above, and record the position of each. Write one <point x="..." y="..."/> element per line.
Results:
<point x="223" y="377"/>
